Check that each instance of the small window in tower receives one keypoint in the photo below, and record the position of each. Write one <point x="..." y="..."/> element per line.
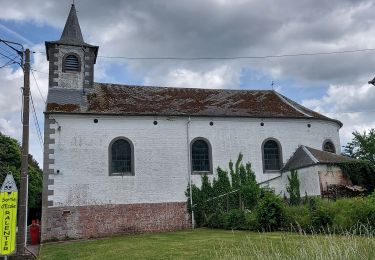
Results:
<point x="71" y="63"/>
<point x="329" y="147"/>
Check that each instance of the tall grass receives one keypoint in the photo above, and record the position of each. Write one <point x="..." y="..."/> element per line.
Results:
<point x="316" y="245"/>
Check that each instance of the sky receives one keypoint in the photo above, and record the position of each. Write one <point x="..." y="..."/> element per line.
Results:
<point x="334" y="85"/>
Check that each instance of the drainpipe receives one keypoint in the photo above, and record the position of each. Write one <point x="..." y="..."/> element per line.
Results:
<point x="189" y="170"/>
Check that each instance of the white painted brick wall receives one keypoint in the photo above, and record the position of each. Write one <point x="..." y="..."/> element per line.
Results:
<point x="308" y="177"/>
<point x="161" y="155"/>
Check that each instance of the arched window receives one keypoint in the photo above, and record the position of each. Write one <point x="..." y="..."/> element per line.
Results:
<point x="329" y="147"/>
<point x="121" y="157"/>
<point x="71" y="63"/>
<point x="201" y="161"/>
<point x="271" y="155"/>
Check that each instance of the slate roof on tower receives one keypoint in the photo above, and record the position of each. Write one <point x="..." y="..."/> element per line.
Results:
<point x="72" y="34"/>
<point x="164" y="101"/>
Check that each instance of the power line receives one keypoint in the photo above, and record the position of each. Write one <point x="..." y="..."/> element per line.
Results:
<point x="14" y="56"/>
<point x="7" y="64"/>
<point x="7" y="57"/>
<point x="1" y="48"/>
<point x="288" y="55"/>
<point x="10" y="58"/>
<point x="37" y="85"/>
<point x="40" y="71"/>
<point x="239" y="57"/>
<point x="352" y="112"/>
<point x="36" y="122"/>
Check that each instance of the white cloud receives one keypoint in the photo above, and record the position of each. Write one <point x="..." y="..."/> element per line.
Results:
<point x="11" y="82"/>
<point x="221" y="77"/>
<point x="213" y="28"/>
<point x="351" y="104"/>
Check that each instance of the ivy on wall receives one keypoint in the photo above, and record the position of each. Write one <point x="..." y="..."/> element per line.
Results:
<point x="360" y="173"/>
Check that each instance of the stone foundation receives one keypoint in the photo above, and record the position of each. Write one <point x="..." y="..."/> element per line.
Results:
<point x="106" y="220"/>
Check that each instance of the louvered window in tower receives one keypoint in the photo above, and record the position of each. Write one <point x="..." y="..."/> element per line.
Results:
<point x="71" y="63"/>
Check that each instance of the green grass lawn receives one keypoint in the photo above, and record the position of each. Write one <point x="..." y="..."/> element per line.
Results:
<point x="215" y="244"/>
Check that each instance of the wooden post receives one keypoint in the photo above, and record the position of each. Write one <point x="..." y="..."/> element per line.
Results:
<point x="22" y="219"/>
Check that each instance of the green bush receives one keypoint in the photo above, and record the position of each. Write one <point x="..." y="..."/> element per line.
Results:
<point x="293" y="188"/>
<point x="372" y="197"/>
<point x="251" y="221"/>
<point x="351" y="213"/>
<point x="235" y="191"/>
<point x="344" y="215"/>
<point x="235" y="219"/>
<point x="269" y="212"/>
<point x="216" y="220"/>
<point x="297" y="218"/>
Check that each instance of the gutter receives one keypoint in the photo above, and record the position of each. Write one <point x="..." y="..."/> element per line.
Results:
<point x="189" y="169"/>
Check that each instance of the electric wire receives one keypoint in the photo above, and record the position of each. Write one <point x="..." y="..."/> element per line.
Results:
<point x="7" y="57"/>
<point x="290" y="55"/>
<point x="11" y="54"/>
<point x="43" y="72"/>
<point x="36" y="122"/>
<point x="1" y="48"/>
<point x="287" y="55"/>
<point x="9" y="63"/>
<point x="37" y="85"/>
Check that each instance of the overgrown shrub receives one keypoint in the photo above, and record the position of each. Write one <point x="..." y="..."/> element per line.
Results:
<point x="269" y="212"/>
<point x="372" y="197"/>
<point x="321" y="213"/>
<point x="235" y="219"/>
<point x="343" y="215"/>
<point x="349" y="213"/>
<point x="198" y="201"/>
<point x="243" y="179"/>
<point x="297" y="218"/>
<point x="224" y="194"/>
<point x="293" y="188"/>
<point x="361" y="173"/>
<point x="251" y="220"/>
<point x="216" y="220"/>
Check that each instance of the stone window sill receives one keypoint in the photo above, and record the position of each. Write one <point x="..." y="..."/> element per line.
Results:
<point x="201" y="172"/>
<point x="122" y="174"/>
<point x="272" y="172"/>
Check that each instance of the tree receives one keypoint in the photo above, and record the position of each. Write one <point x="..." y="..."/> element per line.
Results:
<point x="10" y="161"/>
<point x="293" y="188"/>
<point x="236" y="190"/>
<point x="362" y="146"/>
<point x="243" y="179"/>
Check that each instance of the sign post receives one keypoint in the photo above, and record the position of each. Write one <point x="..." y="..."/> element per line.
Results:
<point x="8" y="216"/>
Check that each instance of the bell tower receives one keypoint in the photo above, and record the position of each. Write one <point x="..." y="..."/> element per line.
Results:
<point x="71" y="59"/>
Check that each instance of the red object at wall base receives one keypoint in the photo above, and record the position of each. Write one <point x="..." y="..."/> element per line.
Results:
<point x="34" y="233"/>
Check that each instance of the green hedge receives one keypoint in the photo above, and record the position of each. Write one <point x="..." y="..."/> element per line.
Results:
<point x="354" y="215"/>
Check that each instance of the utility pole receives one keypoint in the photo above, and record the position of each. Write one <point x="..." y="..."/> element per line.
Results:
<point x="23" y="193"/>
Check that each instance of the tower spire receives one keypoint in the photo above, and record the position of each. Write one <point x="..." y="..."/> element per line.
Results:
<point x="72" y="31"/>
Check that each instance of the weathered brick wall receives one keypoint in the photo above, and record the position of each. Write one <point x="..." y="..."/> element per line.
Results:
<point x="332" y="176"/>
<point x="106" y="220"/>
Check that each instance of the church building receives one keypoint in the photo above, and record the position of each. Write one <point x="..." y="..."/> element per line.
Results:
<point x="118" y="158"/>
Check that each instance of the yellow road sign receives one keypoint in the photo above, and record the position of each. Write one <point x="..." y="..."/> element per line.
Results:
<point x="8" y="215"/>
